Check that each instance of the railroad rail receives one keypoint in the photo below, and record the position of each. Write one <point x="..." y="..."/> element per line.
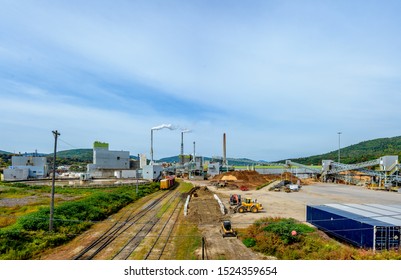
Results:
<point x="148" y="224"/>
<point x="159" y="245"/>
<point x="121" y="226"/>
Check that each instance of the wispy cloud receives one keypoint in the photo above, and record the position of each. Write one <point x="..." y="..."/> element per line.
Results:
<point x="268" y="71"/>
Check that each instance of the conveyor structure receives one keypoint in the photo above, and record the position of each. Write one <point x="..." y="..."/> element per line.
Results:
<point x="384" y="171"/>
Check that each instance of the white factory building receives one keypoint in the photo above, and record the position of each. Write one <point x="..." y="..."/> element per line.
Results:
<point x="25" y="167"/>
<point x="108" y="163"/>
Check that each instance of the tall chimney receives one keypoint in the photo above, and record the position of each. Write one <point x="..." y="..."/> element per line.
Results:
<point x="194" y="152"/>
<point x="151" y="146"/>
<point x="224" y="150"/>
<point x="182" y="148"/>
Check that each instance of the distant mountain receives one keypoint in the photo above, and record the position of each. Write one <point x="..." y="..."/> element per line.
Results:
<point x="242" y="161"/>
<point x="169" y="159"/>
<point x="363" y="151"/>
<point x="82" y="155"/>
<point x="231" y="161"/>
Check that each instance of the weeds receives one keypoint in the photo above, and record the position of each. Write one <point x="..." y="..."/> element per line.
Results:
<point x="29" y="235"/>
<point x="291" y="240"/>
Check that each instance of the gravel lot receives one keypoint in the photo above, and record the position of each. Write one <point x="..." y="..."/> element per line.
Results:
<point x="293" y="205"/>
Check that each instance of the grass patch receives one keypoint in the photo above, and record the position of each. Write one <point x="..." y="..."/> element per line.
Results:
<point x="188" y="238"/>
<point x="184" y="187"/>
<point x="164" y="209"/>
<point x="29" y="235"/>
<point x="276" y="237"/>
<point x="187" y="242"/>
<point x="23" y="199"/>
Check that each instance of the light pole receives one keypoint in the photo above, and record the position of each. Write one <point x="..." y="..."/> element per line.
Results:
<point x="339" y="146"/>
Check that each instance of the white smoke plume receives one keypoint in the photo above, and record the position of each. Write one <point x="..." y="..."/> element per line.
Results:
<point x="169" y="126"/>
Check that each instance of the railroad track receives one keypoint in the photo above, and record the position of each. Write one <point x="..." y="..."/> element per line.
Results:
<point x="124" y="225"/>
<point x="159" y="245"/>
<point x="150" y="224"/>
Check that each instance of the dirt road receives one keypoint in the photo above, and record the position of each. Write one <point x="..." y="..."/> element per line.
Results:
<point x="204" y="210"/>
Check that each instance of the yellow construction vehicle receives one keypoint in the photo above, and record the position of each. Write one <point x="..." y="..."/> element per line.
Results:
<point x="226" y="229"/>
<point x="248" y="205"/>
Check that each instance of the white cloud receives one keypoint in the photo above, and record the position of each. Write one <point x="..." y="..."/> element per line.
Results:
<point x="267" y="71"/>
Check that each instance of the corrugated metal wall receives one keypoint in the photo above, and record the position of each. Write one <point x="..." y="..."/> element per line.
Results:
<point x="363" y="225"/>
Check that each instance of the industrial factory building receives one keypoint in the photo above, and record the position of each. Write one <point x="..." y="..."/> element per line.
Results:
<point x="25" y="167"/>
<point x="106" y="162"/>
<point x="152" y="172"/>
<point x="372" y="226"/>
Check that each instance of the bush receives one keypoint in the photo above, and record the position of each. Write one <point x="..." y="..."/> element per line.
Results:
<point x="19" y="185"/>
<point x="273" y="237"/>
<point x="285" y="227"/>
<point x="29" y="235"/>
<point x="249" y="242"/>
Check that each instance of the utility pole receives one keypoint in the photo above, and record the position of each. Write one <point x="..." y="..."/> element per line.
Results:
<point x="56" y="134"/>
<point x="339" y="146"/>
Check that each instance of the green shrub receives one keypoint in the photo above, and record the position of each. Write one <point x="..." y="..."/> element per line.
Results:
<point x="19" y="185"/>
<point x="285" y="227"/>
<point x="29" y="235"/>
<point x="273" y="237"/>
<point x="249" y="242"/>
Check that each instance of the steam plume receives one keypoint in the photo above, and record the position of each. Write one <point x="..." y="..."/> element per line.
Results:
<point x="169" y="126"/>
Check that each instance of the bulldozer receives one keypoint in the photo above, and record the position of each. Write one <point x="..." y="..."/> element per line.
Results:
<point x="248" y="205"/>
<point x="227" y="230"/>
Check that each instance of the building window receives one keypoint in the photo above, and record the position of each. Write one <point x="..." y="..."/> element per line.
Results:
<point x="118" y="158"/>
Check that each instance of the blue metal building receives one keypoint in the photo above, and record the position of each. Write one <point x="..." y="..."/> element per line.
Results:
<point x="371" y="226"/>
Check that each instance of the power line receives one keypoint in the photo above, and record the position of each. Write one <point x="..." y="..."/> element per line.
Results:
<point x="68" y="144"/>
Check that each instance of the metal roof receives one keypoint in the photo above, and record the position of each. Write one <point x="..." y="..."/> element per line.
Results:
<point x="375" y="214"/>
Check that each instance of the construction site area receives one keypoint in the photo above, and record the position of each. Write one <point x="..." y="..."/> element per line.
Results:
<point x="153" y="227"/>
<point x="204" y="219"/>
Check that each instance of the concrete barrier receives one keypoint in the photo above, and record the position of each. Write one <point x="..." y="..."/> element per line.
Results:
<point x="222" y="207"/>
<point x="186" y="205"/>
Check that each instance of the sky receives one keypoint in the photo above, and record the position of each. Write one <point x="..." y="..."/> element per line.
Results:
<point x="280" y="78"/>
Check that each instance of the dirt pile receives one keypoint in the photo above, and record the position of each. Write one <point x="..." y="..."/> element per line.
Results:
<point x="253" y="179"/>
<point x="203" y="207"/>
<point x="250" y="179"/>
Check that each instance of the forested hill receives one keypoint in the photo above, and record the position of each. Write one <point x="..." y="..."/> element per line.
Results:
<point x="367" y="150"/>
<point x="364" y="151"/>
<point x="81" y="155"/>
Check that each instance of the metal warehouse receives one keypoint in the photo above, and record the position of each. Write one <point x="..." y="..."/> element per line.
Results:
<point x="371" y="226"/>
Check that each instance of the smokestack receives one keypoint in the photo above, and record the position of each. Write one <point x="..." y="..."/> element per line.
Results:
<point x="194" y="151"/>
<point x="182" y="148"/>
<point x="182" y="144"/>
<point x="224" y="150"/>
<point x="151" y="146"/>
<point x="169" y="126"/>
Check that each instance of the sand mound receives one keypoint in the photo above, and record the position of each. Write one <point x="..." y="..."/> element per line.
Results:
<point x="229" y="178"/>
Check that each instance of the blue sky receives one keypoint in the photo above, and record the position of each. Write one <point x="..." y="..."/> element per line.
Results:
<point x="280" y="78"/>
